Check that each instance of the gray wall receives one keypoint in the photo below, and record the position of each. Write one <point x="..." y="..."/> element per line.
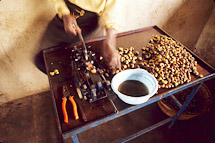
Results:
<point x="205" y="46"/>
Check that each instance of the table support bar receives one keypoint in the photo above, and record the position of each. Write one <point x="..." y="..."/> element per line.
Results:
<point x="176" y="101"/>
<point x="75" y="138"/>
<point x="189" y="98"/>
<point x="150" y="128"/>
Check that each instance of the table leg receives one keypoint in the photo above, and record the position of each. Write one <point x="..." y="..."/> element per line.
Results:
<point x="175" y="100"/>
<point x="146" y="130"/>
<point x="190" y="97"/>
<point x="75" y="138"/>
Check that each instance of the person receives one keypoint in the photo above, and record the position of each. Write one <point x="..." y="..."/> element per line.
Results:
<point x="82" y="15"/>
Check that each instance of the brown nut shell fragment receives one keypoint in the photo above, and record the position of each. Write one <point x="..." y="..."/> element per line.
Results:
<point x="136" y="53"/>
<point x="165" y="58"/>
<point x="107" y="75"/>
<point x="124" y="66"/>
<point x="131" y="49"/>
<point x="93" y="71"/>
<point x="52" y="73"/>
<point x="140" y="58"/>
<point x="122" y="59"/>
<point x="117" y="71"/>
<point x="120" y="49"/>
<point x="132" y="66"/>
<point x="144" y="48"/>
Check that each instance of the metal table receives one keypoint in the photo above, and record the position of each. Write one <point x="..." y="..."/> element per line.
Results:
<point x="59" y="58"/>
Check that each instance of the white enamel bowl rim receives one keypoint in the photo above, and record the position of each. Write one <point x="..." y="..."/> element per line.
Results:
<point x="124" y="75"/>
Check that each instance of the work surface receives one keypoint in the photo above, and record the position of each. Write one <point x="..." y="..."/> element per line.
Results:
<point x="59" y="58"/>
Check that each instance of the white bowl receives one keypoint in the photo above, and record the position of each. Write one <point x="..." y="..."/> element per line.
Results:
<point x="135" y="74"/>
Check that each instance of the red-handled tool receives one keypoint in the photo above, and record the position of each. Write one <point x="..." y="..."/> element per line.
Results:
<point x="66" y="94"/>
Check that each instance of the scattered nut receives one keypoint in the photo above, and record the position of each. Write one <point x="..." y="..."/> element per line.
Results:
<point x="56" y="71"/>
<point x="52" y="73"/>
<point x="93" y="71"/>
<point x="166" y="59"/>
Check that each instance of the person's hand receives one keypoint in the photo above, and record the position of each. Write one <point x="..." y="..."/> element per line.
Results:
<point x="70" y="24"/>
<point x="109" y="52"/>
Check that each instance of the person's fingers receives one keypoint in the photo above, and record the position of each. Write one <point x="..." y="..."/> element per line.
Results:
<point x="119" y="63"/>
<point x="77" y="28"/>
<point x="70" y="28"/>
<point x="70" y="25"/>
<point x="114" y="63"/>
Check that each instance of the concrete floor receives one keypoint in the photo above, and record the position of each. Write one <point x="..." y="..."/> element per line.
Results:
<point x="31" y="119"/>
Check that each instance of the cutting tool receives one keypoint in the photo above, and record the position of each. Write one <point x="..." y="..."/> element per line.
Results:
<point x="83" y="43"/>
<point x="78" y="30"/>
<point x="66" y="94"/>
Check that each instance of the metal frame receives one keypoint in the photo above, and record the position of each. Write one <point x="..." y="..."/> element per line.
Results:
<point x="197" y="83"/>
<point x="73" y="134"/>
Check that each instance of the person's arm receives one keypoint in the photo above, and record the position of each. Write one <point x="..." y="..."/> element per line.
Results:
<point x="61" y="7"/>
<point x="108" y="50"/>
<point x="111" y="20"/>
<point x="70" y="25"/>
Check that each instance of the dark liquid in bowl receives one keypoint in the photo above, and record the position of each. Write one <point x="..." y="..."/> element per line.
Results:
<point x="133" y="88"/>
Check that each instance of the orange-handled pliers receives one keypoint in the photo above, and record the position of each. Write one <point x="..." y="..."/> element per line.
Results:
<point x="66" y="94"/>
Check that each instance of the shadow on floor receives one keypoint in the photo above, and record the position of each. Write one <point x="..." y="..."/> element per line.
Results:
<point x="29" y="119"/>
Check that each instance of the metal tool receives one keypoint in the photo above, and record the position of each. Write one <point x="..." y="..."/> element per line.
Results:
<point x="66" y="94"/>
<point x="82" y="41"/>
<point x="89" y="85"/>
<point x="81" y="111"/>
<point x="84" y="45"/>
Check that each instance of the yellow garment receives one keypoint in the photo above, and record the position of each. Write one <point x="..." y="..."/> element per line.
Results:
<point x="108" y="10"/>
